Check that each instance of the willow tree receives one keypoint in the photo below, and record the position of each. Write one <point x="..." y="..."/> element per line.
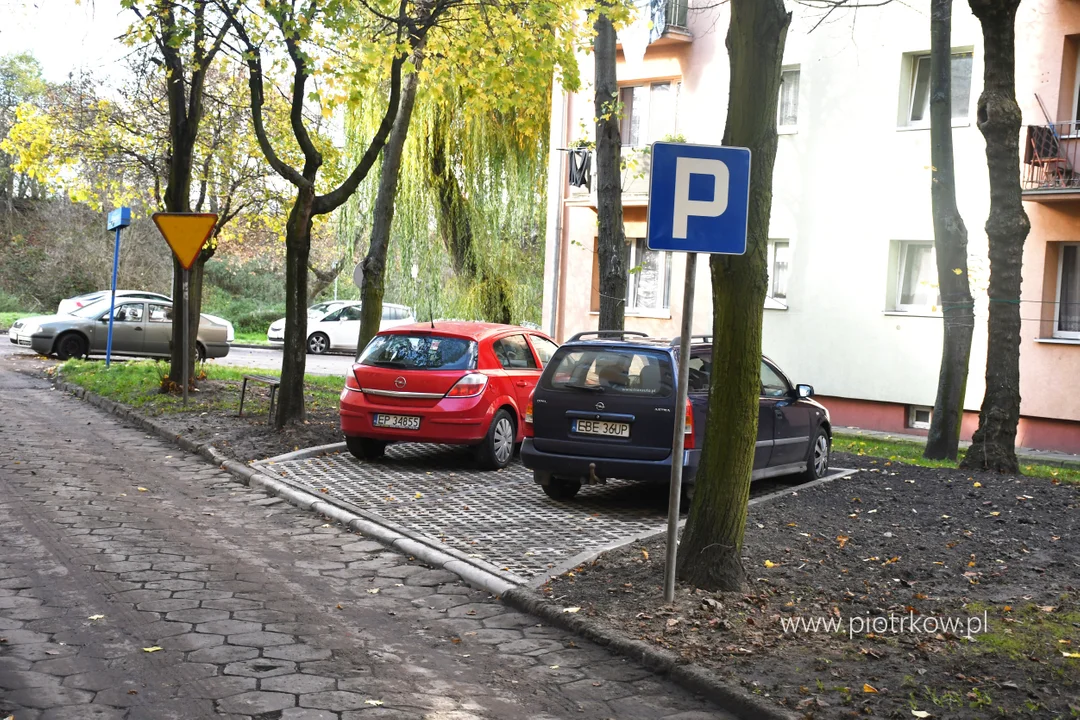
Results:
<point x="710" y="554"/>
<point x="471" y="175"/>
<point x="993" y="446"/>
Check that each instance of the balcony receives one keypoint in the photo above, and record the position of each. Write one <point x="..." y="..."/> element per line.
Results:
<point x="1051" y="171"/>
<point x="635" y="180"/>
<point x="668" y="22"/>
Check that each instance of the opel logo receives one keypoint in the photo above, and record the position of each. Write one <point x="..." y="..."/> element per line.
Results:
<point x="400" y="382"/>
<point x="599" y="406"/>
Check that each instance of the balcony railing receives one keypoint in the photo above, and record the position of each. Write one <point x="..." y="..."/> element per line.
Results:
<point x="666" y="15"/>
<point x="1052" y="158"/>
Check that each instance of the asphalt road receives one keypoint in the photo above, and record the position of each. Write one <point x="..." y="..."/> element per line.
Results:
<point x="139" y="582"/>
<point x="270" y="359"/>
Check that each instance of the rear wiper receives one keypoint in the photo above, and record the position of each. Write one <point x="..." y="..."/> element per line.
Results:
<point x="593" y="388"/>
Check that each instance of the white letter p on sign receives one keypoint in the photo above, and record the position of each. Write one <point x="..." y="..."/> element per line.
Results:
<point x="684" y="206"/>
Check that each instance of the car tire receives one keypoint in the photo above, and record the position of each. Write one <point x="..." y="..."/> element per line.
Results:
<point x="817" y="459"/>
<point x="561" y="489"/>
<point x="200" y="352"/>
<point x="365" y="448"/>
<point x="71" y="345"/>
<point x="318" y="343"/>
<point x="497" y="449"/>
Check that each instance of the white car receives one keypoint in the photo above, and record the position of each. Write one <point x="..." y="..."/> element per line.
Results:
<point x="340" y="328"/>
<point x="71" y="304"/>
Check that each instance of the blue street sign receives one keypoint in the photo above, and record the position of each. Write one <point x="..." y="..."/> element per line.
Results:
<point x="698" y="197"/>
<point x="119" y="218"/>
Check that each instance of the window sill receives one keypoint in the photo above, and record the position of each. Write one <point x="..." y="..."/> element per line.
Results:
<point x="774" y="304"/>
<point x="787" y="130"/>
<point x="1058" y="341"/>
<point x="912" y="313"/>
<point x="960" y="123"/>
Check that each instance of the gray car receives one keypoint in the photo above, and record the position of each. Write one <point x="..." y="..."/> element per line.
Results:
<point x="141" y="328"/>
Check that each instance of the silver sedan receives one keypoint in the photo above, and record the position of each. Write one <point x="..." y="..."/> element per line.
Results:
<point x="140" y="328"/>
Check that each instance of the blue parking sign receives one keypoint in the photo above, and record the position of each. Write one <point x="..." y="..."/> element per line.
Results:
<point x="698" y="198"/>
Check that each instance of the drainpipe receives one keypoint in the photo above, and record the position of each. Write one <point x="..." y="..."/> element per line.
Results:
<point x="556" y="284"/>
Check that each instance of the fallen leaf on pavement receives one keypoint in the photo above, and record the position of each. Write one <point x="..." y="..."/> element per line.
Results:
<point x="920" y="713"/>
<point x="770" y="564"/>
<point x="1070" y="655"/>
<point x="842" y="539"/>
<point x="571" y="610"/>
<point x="1047" y="608"/>
<point x="645" y="553"/>
<point x="376" y="703"/>
<point x="978" y="484"/>
<point x="339" y="607"/>
<point x="151" y="649"/>
<point x="373" y="591"/>
<point x="868" y="688"/>
<point x="96" y="617"/>
<point x="142" y="489"/>
<point x="420" y="495"/>
<point x="133" y="692"/>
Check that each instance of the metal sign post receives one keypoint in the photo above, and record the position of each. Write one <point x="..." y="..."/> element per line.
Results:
<point x="186" y="234"/>
<point x="698" y="202"/>
<point x="118" y="219"/>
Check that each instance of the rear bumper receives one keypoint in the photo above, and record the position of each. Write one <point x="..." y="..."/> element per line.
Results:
<point x="216" y="350"/>
<point x="577" y="466"/>
<point x="462" y="421"/>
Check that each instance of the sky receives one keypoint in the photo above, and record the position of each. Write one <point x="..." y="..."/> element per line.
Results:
<point x="65" y="35"/>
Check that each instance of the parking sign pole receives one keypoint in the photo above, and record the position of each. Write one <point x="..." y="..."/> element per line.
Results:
<point x="185" y="333"/>
<point x="677" y="442"/>
<point x="112" y="300"/>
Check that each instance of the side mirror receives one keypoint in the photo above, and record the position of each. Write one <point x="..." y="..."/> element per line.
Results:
<point x="104" y="319"/>
<point x="804" y="391"/>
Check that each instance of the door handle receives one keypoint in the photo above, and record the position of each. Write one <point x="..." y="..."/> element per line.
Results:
<point x="779" y="413"/>
<point x="138" y="329"/>
<point x="522" y="383"/>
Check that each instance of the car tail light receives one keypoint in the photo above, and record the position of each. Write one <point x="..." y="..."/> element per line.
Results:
<point x="352" y="382"/>
<point x="688" y="432"/>
<point x="469" y="386"/>
<point x="528" y="431"/>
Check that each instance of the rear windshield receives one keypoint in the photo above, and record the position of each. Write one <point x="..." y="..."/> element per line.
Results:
<point x="420" y="352"/>
<point x="622" y="371"/>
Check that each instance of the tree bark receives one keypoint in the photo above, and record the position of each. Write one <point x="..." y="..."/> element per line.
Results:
<point x="710" y="554"/>
<point x="374" y="263"/>
<point x="291" y="407"/>
<point x="611" y="238"/>
<point x="994" y="443"/>
<point x="950" y="243"/>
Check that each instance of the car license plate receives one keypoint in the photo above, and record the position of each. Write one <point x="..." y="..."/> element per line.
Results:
<point x="401" y="422"/>
<point x="602" y="427"/>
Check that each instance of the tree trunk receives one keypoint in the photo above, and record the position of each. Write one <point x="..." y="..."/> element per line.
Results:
<point x="178" y="199"/>
<point x="290" y="407"/>
<point x="611" y="238"/>
<point x="994" y="443"/>
<point x="710" y="555"/>
<point x="950" y="243"/>
<point x="374" y="263"/>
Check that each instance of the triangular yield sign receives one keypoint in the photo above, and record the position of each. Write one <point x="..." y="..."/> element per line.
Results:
<point x="186" y="233"/>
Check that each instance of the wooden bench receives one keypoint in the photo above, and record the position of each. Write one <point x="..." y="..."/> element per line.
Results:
<point x="274" y="384"/>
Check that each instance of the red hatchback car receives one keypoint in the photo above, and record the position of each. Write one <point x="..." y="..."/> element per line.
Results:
<point x="458" y="383"/>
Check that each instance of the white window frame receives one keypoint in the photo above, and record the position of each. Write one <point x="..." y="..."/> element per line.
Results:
<point x="793" y="127"/>
<point x="771" y="300"/>
<point x="912" y="422"/>
<point x="632" y="278"/>
<point x="901" y="268"/>
<point x="644" y="113"/>
<point x="1064" y="334"/>
<point x="912" y="75"/>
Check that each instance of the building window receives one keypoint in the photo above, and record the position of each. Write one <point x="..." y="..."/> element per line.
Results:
<point x="916" y="282"/>
<point x="648" y="288"/>
<point x="789" y="98"/>
<point x="1067" y="309"/>
<point x="919" y="99"/>
<point x="919" y="417"/>
<point x="648" y="113"/>
<point x="779" y="264"/>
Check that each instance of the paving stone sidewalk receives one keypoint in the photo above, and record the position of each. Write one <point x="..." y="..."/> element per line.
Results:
<point x="112" y="541"/>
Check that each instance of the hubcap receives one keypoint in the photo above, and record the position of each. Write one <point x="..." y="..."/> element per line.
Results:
<point x="504" y="440"/>
<point x="821" y="455"/>
<point x="317" y="344"/>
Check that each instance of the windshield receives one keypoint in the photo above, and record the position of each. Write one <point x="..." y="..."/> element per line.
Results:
<point x="622" y="371"/>
<point x="420" y="352"/>
<point x="94" y="309"/>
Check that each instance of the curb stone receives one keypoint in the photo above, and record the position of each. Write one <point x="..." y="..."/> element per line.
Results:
<point x="731" y="698"/>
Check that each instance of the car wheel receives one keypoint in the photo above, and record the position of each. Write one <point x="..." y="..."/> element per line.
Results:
<point x="817" y="462"/>
<point x="561" y="489"/>
<point x="497" y="450"/>
<point x="200" y="352"/>
<point x="365" y="448"/>
<point x="71" y="345"/>
<point x="318" y="343"/>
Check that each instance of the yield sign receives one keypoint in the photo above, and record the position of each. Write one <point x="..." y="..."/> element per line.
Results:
<point x="186" y="233"/>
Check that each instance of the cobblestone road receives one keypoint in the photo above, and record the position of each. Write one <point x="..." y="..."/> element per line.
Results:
<point x="112" y="542"/>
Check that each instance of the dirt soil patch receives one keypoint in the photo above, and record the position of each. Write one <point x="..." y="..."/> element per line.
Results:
<point x="904" y="562"/>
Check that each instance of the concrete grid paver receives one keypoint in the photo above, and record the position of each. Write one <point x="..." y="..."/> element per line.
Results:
<point x="261" y="611"/>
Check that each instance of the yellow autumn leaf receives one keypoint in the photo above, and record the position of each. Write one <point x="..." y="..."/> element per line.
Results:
<point x="376" y="703"/>
<point x="142" y="489"/>
<point x="868" y="688"/>
<point x="419" y="495"/>
<point x="956" y="271"/>
<point x="645" y="553"/>
<point x="770" y="564"/>
<point x="1070" y="655"/>
<point x="920" y="713"/>
<point x="571" y="610"/>
<point x="978" y="484"/>
<point x="995" y="513"/>
<point x="151" y="649"/>
<point x="96" y="617"/>
<point x="373" y="591"/>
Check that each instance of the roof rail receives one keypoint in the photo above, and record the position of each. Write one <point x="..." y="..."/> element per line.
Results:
<point x="705" y="338"/>
<point x="607" y="333"/>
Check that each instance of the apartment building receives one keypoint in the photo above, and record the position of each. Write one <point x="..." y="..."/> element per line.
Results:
<point x="853" y="306"/>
